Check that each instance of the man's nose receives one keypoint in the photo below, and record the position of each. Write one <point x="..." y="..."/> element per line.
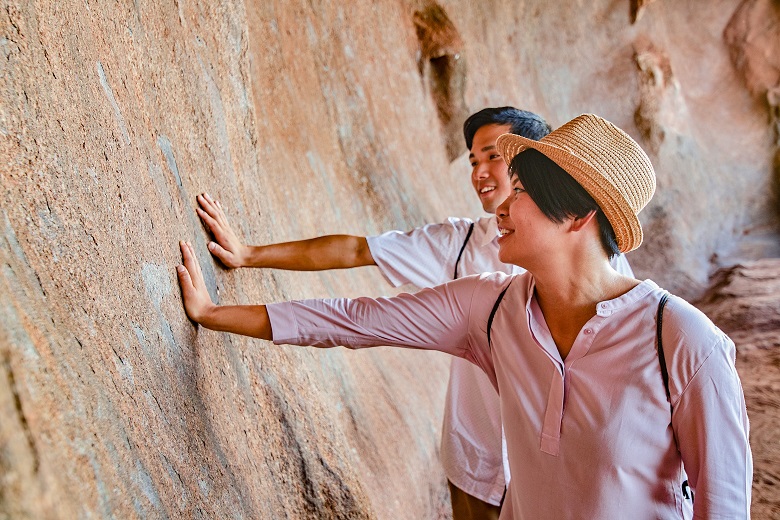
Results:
<point x="480" y="171"/>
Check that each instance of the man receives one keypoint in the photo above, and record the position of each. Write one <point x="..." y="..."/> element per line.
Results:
<point x="471" y="445"/>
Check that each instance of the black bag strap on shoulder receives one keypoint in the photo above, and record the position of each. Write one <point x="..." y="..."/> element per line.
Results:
<point x="462" y="248"/>
<point x="494" y="309"/>
<point x="686" y="488"/>
<point x="659" y="344"/>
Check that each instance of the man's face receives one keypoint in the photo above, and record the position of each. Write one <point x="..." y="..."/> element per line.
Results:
<point x="488" y="169"/>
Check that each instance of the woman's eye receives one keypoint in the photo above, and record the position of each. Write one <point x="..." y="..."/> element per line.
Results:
<point x="518" y="191"/>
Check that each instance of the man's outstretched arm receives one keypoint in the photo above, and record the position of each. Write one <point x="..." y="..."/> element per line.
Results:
<point x="316" y="254"/>
<point x="248" y="320"/>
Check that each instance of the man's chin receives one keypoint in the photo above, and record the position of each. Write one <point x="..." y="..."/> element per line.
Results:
<point x="491" y="203"/>
<point x="490" y="208"/>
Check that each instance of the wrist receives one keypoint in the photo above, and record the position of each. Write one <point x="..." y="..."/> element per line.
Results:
<point x="246" y="256"/>
<point x="207" y="316"/>
<point x="250" y="256"/>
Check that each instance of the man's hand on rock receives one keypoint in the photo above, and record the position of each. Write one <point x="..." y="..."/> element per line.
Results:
<point x="226" y="245"/>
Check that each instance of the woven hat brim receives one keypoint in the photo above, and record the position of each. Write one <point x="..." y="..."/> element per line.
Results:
<point x="625" y="223"/>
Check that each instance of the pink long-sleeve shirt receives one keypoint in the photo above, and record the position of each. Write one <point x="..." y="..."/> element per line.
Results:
<point x="593" y="433"/>
<point x="471" y="448"/>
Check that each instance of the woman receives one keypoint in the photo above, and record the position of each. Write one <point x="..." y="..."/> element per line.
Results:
<point x="570" y="345"/>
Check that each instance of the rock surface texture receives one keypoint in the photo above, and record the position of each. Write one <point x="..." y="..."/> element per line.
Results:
<point x="304" y="118"/>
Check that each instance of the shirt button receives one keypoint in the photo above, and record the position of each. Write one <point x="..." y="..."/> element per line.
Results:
<point x="588" y="331"/>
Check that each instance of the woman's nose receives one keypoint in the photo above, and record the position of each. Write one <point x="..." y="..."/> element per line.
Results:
<point x="502" y="211"/>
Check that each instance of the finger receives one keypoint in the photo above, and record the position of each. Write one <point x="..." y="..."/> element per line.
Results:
<point x="212" y="210"/>
<point x="187" y="263"/>
<point x="184" y="278"/>
<point x="207" y="204"/>
<point x="192" y="265"/>
<point x="207" y="219"/>
<point x="186" y="256"/>
<point x="197" y="275"/>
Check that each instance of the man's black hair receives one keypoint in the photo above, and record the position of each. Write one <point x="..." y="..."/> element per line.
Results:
<point x="523" y="123"/>
<point x="558" y="195"/>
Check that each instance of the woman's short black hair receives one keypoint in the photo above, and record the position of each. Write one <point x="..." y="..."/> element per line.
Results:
<point x="558" y="195"/>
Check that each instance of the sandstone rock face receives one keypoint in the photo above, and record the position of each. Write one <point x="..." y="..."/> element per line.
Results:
<point x="303" y="118"/>
<point x="745" y="303"/>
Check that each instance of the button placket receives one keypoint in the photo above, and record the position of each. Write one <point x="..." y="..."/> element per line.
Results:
<point x="553" y="417"/>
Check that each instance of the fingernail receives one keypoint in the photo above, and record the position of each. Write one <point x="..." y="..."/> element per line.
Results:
<point x="180" y="268"/>
<point x="211" y="245"/>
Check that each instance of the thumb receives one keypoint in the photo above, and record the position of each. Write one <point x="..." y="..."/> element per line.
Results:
<point x="219" y="251"/>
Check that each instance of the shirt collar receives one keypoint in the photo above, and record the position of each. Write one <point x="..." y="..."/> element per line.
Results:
<point x="607" y="307"/>
<point x="491" y="231"/>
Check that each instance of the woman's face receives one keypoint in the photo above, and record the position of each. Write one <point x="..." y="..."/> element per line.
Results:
<point x="527" y="236"/>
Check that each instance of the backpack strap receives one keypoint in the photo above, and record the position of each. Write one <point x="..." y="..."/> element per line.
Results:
<point x="494" y="309"/>
<point x="659" y="345"/>
<point x="462" y="248"/>
<point x="686" y="488"/>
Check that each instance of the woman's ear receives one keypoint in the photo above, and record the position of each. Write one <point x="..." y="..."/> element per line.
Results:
<point x="580" y="223"/>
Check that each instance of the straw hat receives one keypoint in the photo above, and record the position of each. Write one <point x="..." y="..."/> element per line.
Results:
<point x="605" y="161"/>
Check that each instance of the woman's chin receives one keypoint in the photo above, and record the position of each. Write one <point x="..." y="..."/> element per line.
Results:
<point x="504" y="256"/>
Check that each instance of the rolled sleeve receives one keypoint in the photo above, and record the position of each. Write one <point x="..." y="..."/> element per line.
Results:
<point x="283" y="327"/>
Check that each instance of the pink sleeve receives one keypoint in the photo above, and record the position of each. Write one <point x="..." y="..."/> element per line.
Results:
<point x="434" y="319"/>
<point x="710" y="417"/>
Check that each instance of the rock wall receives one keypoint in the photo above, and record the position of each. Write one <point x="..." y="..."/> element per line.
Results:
<point x="306" y="118"/>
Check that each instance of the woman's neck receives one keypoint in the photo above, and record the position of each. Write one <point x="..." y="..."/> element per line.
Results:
<point x="568" y="296"/>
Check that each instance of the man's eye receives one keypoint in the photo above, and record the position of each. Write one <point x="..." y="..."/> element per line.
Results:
<point x="495" y="156"/>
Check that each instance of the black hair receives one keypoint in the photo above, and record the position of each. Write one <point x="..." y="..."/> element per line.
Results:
<point x="558" y="195"/>
<point x="523" y="123"/>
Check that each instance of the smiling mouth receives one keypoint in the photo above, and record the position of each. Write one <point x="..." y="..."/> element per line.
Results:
<point x="486" y="189"/>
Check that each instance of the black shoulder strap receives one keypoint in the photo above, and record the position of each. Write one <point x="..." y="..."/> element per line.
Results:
<point x="462" y="248"/>
<point x="687" y="492"/>
<point x="494" y="309"/>
<point x="659" y="345"/>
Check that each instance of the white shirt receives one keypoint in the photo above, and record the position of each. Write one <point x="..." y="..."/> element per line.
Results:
<point x="471" y="445"/>
<point x="589" y="436"/>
